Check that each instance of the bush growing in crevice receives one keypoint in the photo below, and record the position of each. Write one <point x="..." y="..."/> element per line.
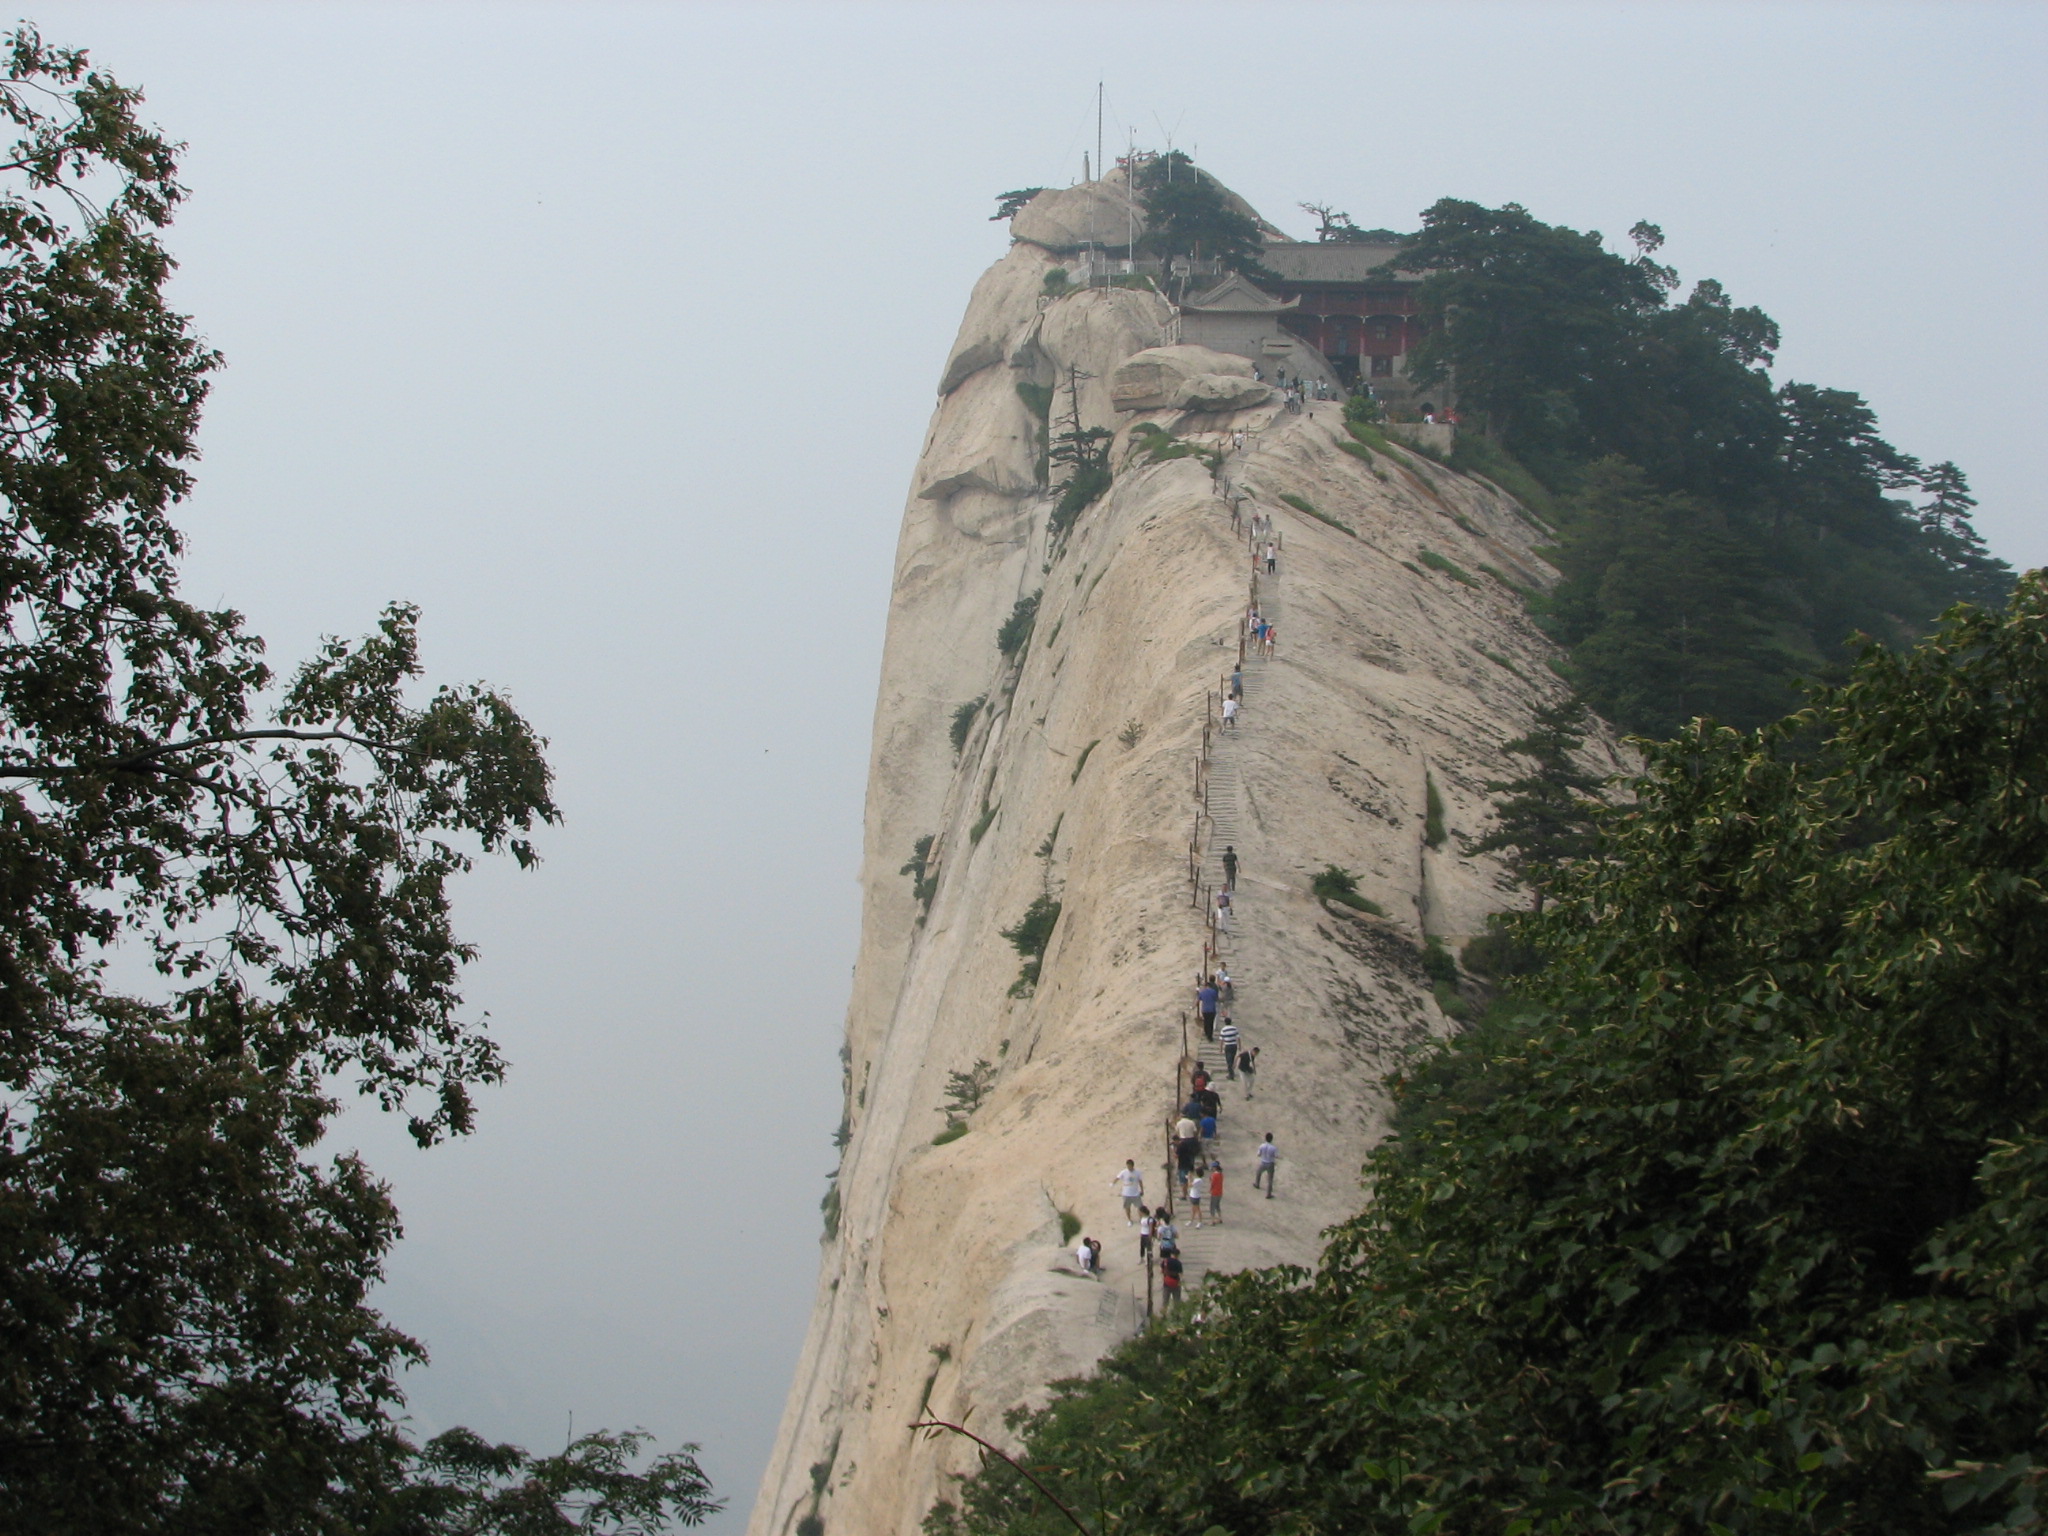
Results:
<point x="1432" y="813"/>
<point x="965" y="1091"/>
<point x="1159" y="445"/>
<point x="1474" y="453"/>
<point x="964" y="1094"/>
<point x="1524" y="593"/>
<point x="980" y="828"/>
<point x="1450" y="568"/>
<point x="1052" y="838"/>
<point x="1030" y="938"/>
<point x="1441" y="967"/>
<point x="1335" y="884"/>
<point x="1082" y="761"/>
<point x="923" y="885"/>
<point x="963" y="722"/>
<point x="1083" y="453"/>
<point x="1365" y="456"/>
<point x="1016" y="631"/>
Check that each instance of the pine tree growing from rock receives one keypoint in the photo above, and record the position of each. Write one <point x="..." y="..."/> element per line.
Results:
<point x="1546" y="818"/>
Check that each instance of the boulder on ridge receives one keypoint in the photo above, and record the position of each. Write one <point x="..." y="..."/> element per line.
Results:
<point x="1220" y="392"/>
<point x="1185" y="377"/>
<point x="1067" y="218"/>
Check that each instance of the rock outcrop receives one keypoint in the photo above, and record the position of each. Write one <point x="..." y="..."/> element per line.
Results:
<point x="1093" y="213"/>
<point x="1186" y="378"/>
<point x="1403" y="661"/>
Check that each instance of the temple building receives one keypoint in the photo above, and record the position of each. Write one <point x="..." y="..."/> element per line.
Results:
<point x="1318" y="310"/>
<point x="1327" y="315"/>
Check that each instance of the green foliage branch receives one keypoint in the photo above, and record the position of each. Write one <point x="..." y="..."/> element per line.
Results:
<point x="465" y="1486"/>
<point x="1010" y="204"/>
<point x="185" y="1273"/>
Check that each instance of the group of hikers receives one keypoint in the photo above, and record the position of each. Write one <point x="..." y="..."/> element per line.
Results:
<point x="1201" y="1186"/>
<point x="1293" y="392"/>
<point x="1196" y="1172"/>
<point x="1260" y="632"/>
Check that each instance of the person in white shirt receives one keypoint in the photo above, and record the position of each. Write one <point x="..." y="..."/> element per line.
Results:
<point x="1131" y="1185"/>
<point x="1147" y="1225"/>
<point x="1084" y="1255"/>
<point x="1230" y="713"/>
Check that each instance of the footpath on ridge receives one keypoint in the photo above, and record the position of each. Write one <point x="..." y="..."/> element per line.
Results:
<point x="1254" y="1222"/>
<point x="1093" y="771"/>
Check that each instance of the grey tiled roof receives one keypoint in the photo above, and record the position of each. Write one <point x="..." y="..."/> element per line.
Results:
<point x="1309" y="261"/>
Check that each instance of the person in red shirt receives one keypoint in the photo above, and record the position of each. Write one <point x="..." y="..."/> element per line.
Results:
<point x="1216" y="1193"/>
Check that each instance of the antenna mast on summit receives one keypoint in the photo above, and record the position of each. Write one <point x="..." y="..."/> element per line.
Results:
<point x="1098" y="130"/>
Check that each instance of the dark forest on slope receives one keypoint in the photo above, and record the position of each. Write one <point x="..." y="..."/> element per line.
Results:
<point x="1721" y="537"/>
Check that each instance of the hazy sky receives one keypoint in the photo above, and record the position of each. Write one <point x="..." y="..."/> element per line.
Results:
<point x="608" y="334"/>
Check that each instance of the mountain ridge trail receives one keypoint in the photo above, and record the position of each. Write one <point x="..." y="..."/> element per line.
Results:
<point x="947" y="1286"/>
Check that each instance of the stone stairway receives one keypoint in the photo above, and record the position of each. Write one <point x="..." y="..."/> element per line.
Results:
<point x="1209" y="1246"/>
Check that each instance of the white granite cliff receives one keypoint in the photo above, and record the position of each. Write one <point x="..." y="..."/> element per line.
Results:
<point x="947" y="1284"/>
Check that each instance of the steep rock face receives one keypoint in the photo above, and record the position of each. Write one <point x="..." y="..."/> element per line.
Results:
<point x="1403" y="660"/>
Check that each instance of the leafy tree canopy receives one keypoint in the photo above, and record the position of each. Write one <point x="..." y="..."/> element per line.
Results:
<point x="1735" y="1223"/>
<point x="1720" y="536"/>
<point x="184" y="1280"/>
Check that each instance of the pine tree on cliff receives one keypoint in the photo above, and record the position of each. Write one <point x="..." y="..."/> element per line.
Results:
<point x="1186" y="214"/>
<point x="1546" y="820"/>
<point x="1983" y="577"/>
